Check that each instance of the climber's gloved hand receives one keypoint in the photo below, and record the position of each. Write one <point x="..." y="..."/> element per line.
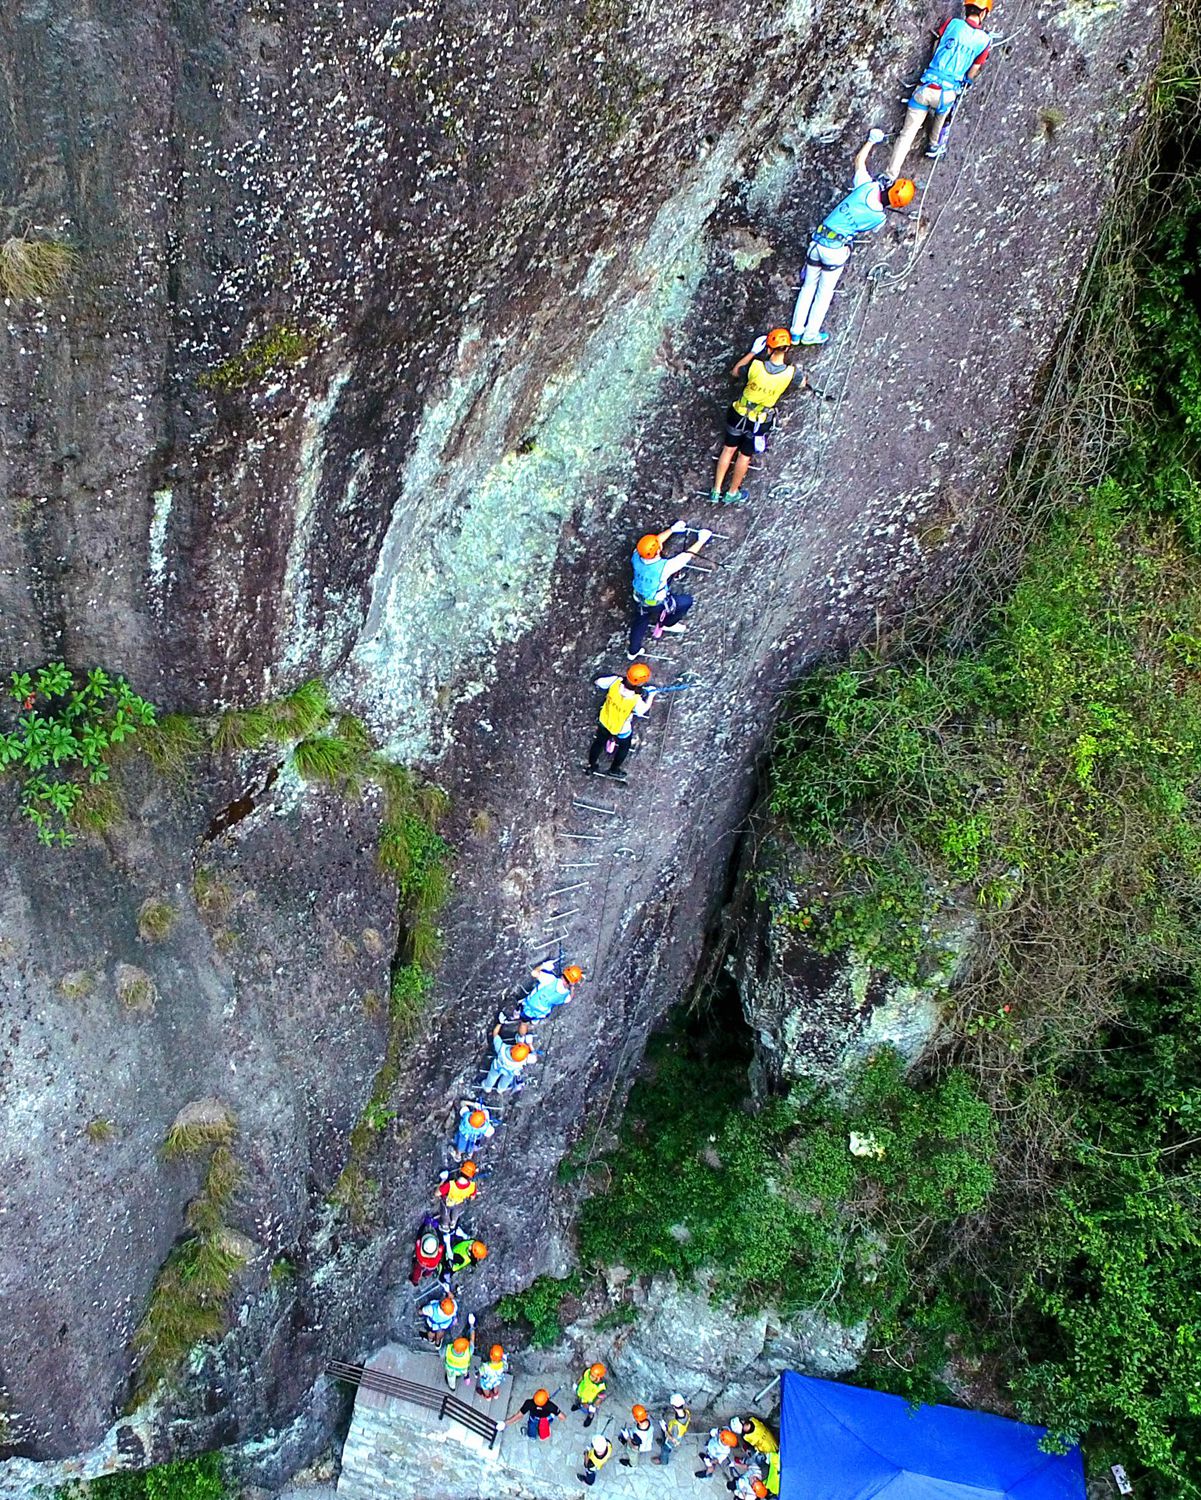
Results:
<point x="704" y="536"/>
<point x="678" y="526"/>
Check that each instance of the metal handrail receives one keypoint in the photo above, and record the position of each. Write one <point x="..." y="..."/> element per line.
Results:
<point x="442" y="1402"/>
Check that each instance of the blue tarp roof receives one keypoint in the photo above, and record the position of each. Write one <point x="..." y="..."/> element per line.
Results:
<point x="840" y="1442"/>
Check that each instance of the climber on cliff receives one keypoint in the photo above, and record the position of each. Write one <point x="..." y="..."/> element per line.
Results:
<point x="454" y="1193"/>
<point x="439" y="1316"/>
<point x="552" y="990"/>
<point x="637" y="1437"/>
<point x="456" y="1360"/>
<point x="626" y="698"/>
<point x="427" y="1256"/>
<point x="656" y="607"/>
<point x="753" y="414"/>
<point x="465" y="1253"/>
<point x="860" y="212"/>
<point x="959" y="53"/>
<point x="475" y="1127"/>
<point x="540" y="1414"/>
<point x="595" y="1459"/>
<point x="590" y="1391"/>
<point x="510" y="1059"/>
<point x="491" y="1373"/>
<point x="674" y="1425"/>
<point x="718" y="1450"/>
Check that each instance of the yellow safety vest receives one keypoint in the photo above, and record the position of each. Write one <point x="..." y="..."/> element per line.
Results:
<point x="588" y="1389"/>
<point x="677" y="1427"/>
<point x="598" y="1460"/>
<point x="760" y="1437"/>
<point x="618" y="708"/>
<point x="763" y="389"/>
<point x="457" y="1364"/>
<point x="773" y="1474"/>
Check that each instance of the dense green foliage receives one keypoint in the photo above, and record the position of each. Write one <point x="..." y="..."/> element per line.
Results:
<point x="806" y="1202"/>
<point x="61" y="741"/>
<point x="539" y="1306"/>
<point x="188" y="1479"/>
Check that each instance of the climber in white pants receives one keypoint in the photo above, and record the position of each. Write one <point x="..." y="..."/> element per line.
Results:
<point x="860" y="212"/>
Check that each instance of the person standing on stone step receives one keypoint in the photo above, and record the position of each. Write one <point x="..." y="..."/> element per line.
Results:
<point x="862" y="211"/>
<point x="491" y="1373"/>
<point x="959" y="53"/>
<point x="595" y="1459"/>
<point x="508" y="1064"/>
<point x="674" y="1426"/>
<point x="655" y="606"/>
<point x="475" y="1127"/>
<point x="638" y="1437"/>
<point x="439" y="1316"/>
<point x="590" y="1391"/>
<point x="626" y="699"/>
<point x="552" y="990"/>
<point x="753" y="415"/>
<point x="456" y="1360"/>
<point x="427" y="1256"/>
<point x="718" y="1450"/>
<point x="757" y="1435"/>
<point x="540" y="1414"/>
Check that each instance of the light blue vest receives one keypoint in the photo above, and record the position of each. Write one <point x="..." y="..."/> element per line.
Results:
<point x="958" y="49"/>
<point x="854" y="215"/>
<point x="539" y="1003"/>
<point x="649" y="587"/>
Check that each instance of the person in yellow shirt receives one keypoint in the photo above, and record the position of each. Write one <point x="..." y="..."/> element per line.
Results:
<point x="757" y="1435"/>
<point x="753" y="414"/>
<point x="626" y="699"/>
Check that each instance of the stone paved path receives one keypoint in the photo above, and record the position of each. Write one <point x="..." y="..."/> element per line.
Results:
<point x="398" y="1451"/>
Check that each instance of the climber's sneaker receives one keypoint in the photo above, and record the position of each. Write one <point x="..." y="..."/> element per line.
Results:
<point x="736" y="497"/>
<point x="634" y="655"/>
<point x="674" y="629"/>
<point x="811" y="340"/>
<point x="936" y="153"/>
<point x="714" y="497"/>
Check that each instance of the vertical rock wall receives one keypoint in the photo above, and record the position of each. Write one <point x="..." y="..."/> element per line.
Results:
<point x="520" y="246"/>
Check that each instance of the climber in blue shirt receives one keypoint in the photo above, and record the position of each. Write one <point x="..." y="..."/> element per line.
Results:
<point x="656" y="607"/>
<point x="861" y="212"/>
<point x="960" y="53"/>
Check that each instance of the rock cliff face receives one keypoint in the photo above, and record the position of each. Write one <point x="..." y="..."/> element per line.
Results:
<point x="390" y="330"/>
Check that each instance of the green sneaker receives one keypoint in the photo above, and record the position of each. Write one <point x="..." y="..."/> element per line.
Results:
<point x="714" y="497"/>
<point x="736" y="497"/>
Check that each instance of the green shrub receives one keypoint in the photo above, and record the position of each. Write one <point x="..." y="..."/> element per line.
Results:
<point x="201" y="1478"/>
<point x="66" y="729"/>
<point x="540" y="1306"/>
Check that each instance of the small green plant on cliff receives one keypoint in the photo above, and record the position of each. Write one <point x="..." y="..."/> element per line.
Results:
<point x="34" y="269"/>
<point x="66" y="727"/>
<point x="156" y="919"/>
<point x="540" y="1307"/>
<point x="201" y="1478"/>
<point x="189" y="1301"/>
<point x="280" y="348"/>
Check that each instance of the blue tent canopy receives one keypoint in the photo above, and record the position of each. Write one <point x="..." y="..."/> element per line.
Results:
<point x="839" y="1442"/>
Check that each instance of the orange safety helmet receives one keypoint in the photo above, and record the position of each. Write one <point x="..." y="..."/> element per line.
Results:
<point x="648" y="546"/>
<point x="519" y="1051"/>
<point x="638" y="1413"/>
<point x="479" y="1251"/>
<point x="477" y="1119"/>
<point x="468" y="1169"/>
<point x="461" y="1345"/>
<point x="758" y="1489"/>
<point x="496" y="1354"/>
<point x="984" y="5"/>
<point x="779" y="338"/>
<point x="728" y="1438"/>
<point x="573" y="973"/>
<point x="541" y="1398"/>
<point x="638" y="674"/>
<point x="901" y="193"/>
<point x="448" y="1305"/>
<point x="597" y="1371"/>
